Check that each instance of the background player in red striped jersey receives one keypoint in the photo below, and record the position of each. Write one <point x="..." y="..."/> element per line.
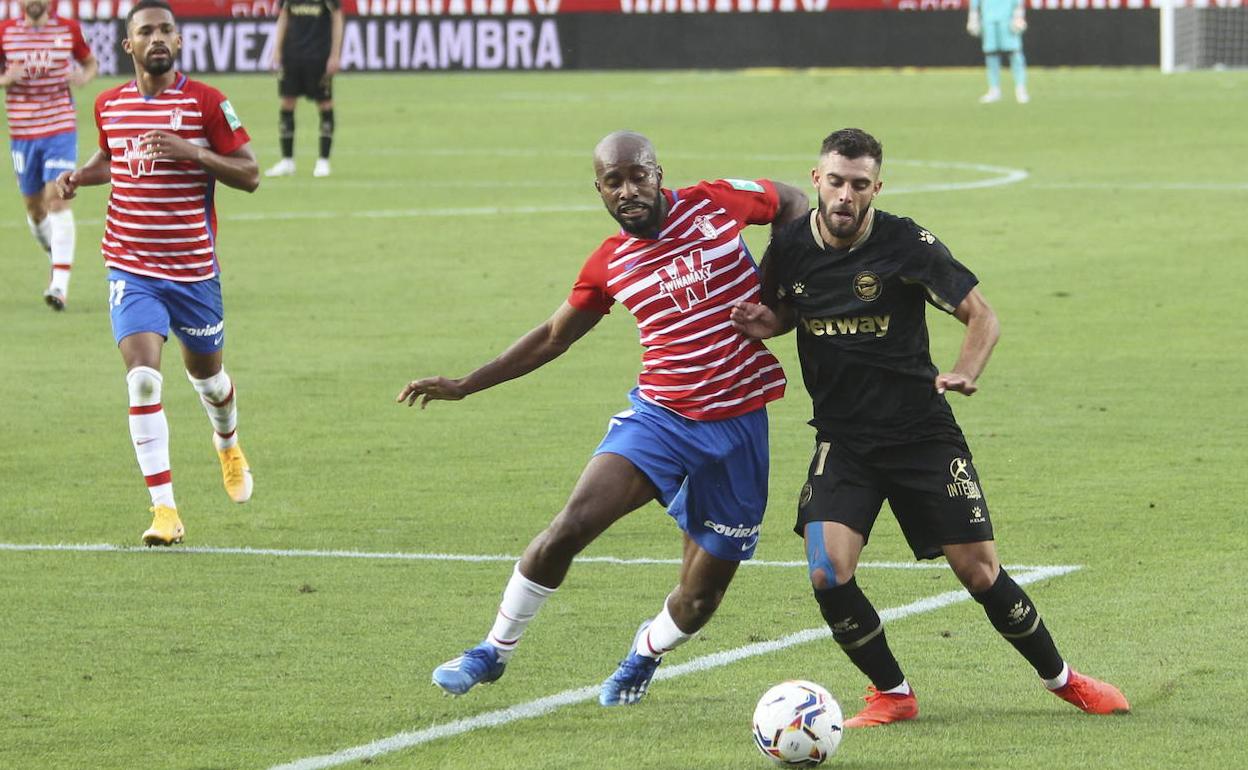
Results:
<point x="695" y="435"/>
<point x="159" y="245"/>
<point x="37" y="55"/>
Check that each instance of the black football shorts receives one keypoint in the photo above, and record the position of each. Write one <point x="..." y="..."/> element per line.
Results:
<point x="301" y="78"/>
<point x="931" y="486"/>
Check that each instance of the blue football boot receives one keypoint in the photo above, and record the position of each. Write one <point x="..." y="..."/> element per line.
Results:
<point x="476" y="666"/>
<point x="629" y="682"/>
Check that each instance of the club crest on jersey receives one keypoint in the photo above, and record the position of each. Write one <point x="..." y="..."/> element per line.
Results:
<point x="703" y="223"/>
<point x="685" y="279"/>
<point x="867" y="286"/>
<point x="175" y="118"/>
<point x="138" y="163"/>
<point x="39" y="63"/>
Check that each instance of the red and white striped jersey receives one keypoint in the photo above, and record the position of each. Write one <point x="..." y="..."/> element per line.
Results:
<point x="161" y="219"/>
<point x="681" y="288"/>
<point x="39" y="103"/>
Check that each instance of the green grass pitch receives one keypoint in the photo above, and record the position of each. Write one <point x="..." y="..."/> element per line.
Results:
<point x="1105" y="220"/>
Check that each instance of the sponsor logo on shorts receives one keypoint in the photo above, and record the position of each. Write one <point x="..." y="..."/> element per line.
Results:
<point x="728" y="530"/>
<point x="203" y="331"/>
<point x="807" y="492"/>
<point x="963" y="485"/>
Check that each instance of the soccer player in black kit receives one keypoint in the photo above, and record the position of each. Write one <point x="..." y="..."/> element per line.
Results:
<point x="854" y="282"/>
<point x="306" y="54"/>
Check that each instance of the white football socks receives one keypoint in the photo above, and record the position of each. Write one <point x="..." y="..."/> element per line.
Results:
<point x="901" y="689"/>
<point x="661" y="636"/>
<point x="149" y="431"/>
<point x="217" y="395"/>
<point x="61" y="246"/>
<point x="1059" y="681"/>
<point x="522" y="598"/>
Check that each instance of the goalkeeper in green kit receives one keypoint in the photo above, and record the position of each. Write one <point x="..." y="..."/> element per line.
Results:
<point x="1000" y="24"/>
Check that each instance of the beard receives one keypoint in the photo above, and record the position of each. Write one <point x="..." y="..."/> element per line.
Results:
<point x="841" y="228"/>
<point x="158" y="66"/>
<point x="644" y="226"/>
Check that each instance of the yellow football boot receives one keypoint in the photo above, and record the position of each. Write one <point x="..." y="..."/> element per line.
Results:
<point x="236" y="473"/>
<point x="166" y="527"/>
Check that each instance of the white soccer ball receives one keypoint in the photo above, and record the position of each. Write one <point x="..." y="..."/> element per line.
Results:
<point x="798" y="724"/>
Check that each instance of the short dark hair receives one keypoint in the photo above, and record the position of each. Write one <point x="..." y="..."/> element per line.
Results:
<point x="851" y="143"/>
<point x="143" y="5"/>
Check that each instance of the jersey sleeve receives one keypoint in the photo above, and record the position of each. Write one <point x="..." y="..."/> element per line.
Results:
<point x="80" y="50"/>
<point x="99" y="124"/>
<point x="590" y="290"/>
<point x="930" y="264"/>
<point x="224" y="129"/>
<point x="754" y="202"/>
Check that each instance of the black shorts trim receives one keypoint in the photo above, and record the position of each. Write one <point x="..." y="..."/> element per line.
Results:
<point x="931" y="486"/>
<point x="300" y="78"/>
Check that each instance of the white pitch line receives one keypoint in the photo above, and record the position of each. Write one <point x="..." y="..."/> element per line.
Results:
<point x="408" y="556"/>
<point x="542" y="706"/>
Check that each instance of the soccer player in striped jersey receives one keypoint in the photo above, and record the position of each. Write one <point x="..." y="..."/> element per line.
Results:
<point x="37" y="58"/>
<point x="694" y="435"/>
<point x="164" y="142"/>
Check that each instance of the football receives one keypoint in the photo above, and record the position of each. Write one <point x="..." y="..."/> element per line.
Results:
<point x="797" y="724"/>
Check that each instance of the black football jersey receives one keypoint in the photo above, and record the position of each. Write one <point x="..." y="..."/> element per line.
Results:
<point x="861" y="327"/>
<point x="309" y="29"/>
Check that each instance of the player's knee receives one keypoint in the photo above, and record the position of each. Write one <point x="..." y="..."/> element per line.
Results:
<point x="216" y="388"/>
<point x="36" y="209"/>
<point x="978" y="576"/>
<point x="849" y="614"/>
<point x="143" y="384"/>
<point x="565" y="537"/>
<point x="695" y="606"/>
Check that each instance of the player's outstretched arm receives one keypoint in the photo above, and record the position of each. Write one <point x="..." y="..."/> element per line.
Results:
<point x="982" y="332"/>
<point x="238" y="169"/>
<point x="95" y="171"/>
<point x="793" y="203"/>
<point x="540" y="346"/>
<point x="759" y="321"/>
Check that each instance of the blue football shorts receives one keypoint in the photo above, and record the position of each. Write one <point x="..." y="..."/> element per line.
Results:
<point x="193" y="311"/>
<point x="39" y="161"/>
<point x="711" y="474"/>
<point x="998" y="38"/>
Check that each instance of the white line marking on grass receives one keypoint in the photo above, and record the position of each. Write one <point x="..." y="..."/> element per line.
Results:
<point x="542" y="706"/>
<point x="406" y="556"/>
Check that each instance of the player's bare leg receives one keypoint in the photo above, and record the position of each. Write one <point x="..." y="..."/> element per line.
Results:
<point x="216" y="393"/>
<point x="609" y="488"/>
<point x="832" y="553"/>
<point x="149" y="432"/>
<point x="1012" y="613"/>
<point x="704" y="579"/>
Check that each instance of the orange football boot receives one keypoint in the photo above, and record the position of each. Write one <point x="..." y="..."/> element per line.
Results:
<point x="1092" y="695"/>
<point x="884" y="708"/>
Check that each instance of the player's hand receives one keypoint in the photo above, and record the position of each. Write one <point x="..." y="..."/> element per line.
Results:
<point x="755" y="320"/>
<point x="972" y="24"/>
<point x="164" y="145"/>
<point x="1018" y="24"/>
<point x="958" y="383"/>
<point x="67" y="184"/>
<point x="78" y="78"/>
<point x="12" y="73"/>
<point x="276" y="63"/>
<point x="431" y="389"/>
<point x="332" y="67"/>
